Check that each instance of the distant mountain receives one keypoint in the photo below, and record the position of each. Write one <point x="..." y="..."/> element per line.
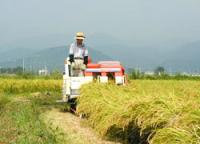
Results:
<point x="129" y="54"/>
<point x="53" y="58"/>
<point x="15" y="53"/>
<point x="186" y="58"/>
<point x="105" y="47"/>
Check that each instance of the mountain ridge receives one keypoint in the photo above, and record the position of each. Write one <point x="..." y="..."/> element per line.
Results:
<point x="103" y="47"/>
<point x="53" y="58"/>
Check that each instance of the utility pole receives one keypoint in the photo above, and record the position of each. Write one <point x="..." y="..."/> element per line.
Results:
<point x="30" y="68"/>
<point x="23" y="65"/>
<point x="45" y="68"/>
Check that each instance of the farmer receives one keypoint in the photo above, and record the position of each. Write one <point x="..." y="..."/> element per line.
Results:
<point x="78" y="55"/>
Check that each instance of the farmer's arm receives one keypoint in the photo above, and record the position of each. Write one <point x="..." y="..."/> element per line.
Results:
<point x="86" y="57"/>
<point x="71" y="53"/>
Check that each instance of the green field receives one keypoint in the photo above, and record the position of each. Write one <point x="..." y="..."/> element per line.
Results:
<point x="21" y="104"/>
<point x="143" y="111"/>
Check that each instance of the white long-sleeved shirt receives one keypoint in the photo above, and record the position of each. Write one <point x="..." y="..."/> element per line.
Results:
<point x="77" y="51"/>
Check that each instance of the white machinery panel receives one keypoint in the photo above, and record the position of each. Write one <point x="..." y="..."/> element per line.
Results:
<point x="119" y="80"/>
<point x="103" y="79"/>
<point x="76" y="82"/>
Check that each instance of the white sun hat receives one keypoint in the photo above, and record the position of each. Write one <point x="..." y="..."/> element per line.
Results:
<point x="80" y="35"/>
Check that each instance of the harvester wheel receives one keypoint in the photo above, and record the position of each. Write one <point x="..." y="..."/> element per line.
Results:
<point x="72" y="103"/>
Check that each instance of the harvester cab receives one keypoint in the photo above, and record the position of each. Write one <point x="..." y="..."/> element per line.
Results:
<point x="102" y="72"/>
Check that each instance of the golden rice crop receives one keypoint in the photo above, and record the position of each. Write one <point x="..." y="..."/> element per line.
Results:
<point x="28" y="85"/>
<point x="157" y="112"/>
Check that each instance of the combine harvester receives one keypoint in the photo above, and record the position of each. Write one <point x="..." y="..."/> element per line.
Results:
<point x="101" y="72"/>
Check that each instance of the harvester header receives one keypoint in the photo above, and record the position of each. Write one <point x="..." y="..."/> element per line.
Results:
<point x="101" y="71"/>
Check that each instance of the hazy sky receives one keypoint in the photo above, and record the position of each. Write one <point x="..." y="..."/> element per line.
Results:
<point x="145" y="22"/>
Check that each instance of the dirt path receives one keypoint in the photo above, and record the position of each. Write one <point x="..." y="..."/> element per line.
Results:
<point x="72" y="129"/>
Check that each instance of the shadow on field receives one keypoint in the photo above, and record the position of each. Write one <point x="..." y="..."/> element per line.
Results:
<point x="128" y="135"/>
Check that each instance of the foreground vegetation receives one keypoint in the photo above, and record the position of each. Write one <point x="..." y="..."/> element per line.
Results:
<point x="21" y="104"/>
<point x="29" y="85"/>
<point x="21" y="122"/>
<point x="145" y="111"/>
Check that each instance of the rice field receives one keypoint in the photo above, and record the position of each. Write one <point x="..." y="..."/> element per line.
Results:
<point x="144" y="111"/>
<point x="22" y="102"/>
<point x="29" y="85"/>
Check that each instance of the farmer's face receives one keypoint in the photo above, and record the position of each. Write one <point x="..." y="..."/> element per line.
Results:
<point x="79" y="41"/>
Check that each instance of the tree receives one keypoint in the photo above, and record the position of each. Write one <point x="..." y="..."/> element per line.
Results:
<point x="135" y="74"/>
<point x="159" y="70"/>
<point x="56" y="74"/>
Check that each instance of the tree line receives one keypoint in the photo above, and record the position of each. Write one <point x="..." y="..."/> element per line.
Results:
<point x="160" y="73"/>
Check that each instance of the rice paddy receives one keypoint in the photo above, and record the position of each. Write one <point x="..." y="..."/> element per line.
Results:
<point x="29" y="85"/>
<point x="21" y="104"/>
<point x="144" y="111"/>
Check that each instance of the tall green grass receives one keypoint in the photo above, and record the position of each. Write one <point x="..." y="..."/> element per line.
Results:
<point x="3" y="101"/>
<point x="20" y="121"/>
<point x="22" y="101"/>
<point x="144" y="111"/>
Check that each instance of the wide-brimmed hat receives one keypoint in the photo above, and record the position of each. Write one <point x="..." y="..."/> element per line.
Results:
<point x="80" y="35"/>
